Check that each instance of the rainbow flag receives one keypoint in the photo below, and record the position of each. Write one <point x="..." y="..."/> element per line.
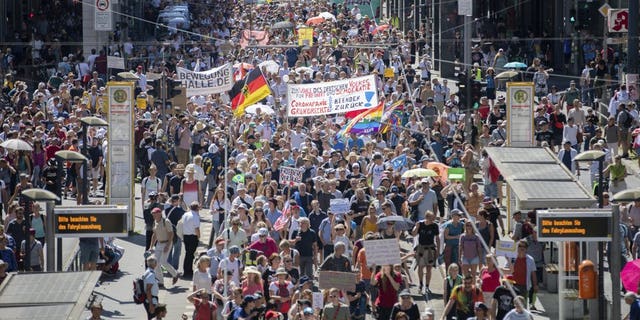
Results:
<point x="391" y="117"/>
<point x="367" y="122"/>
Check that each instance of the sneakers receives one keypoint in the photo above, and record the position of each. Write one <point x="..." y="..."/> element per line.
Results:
<point x="174" y="280"/>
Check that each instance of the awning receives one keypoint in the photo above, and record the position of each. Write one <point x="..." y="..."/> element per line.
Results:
<point x="539" y="179"/>
<point x="46" y="295"/>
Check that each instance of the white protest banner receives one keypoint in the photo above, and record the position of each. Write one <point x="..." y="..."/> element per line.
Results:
<point x="290" y="176"/>
<point x="213" y="81"/>
<point x="310" y="100"/>
<point x="506" y="248"/>
<point x="382" y="252"/>
<point x="114" y="62"/>
<point x="339" y="206"/>
<point x="318" y="300"/>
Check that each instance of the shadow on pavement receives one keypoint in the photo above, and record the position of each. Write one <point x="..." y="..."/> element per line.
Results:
<point x="136" y="238"/>
<point x="176" y="289"/>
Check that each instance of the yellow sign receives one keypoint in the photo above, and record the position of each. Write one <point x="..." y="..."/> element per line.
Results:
<point x="305" y="37"/>
<point x="141" y="103"/>
<point x="388" y="73"/>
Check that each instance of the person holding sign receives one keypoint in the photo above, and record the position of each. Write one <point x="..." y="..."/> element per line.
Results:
<point x="427" y="249"/>
<point x="388" y="283"/>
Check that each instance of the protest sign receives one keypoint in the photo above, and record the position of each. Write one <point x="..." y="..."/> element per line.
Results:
<point x="382" y="252"/>
<point x="341" y="280"/>
<point x="305" y="37"/>
<point x="290" y="176"/>
<point x="315" y="99"/>
<point x="318" y="300"/>
<point x="213" y="81"/>
<point x="506" y="248"/>
<point x="339" y="206"/>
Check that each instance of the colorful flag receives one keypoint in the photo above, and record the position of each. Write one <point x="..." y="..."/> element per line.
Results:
<point x="390" y="117"/>
<point x="248" y="91"/>
<point x="283" y="219"/>
<point x="367" y="122"/>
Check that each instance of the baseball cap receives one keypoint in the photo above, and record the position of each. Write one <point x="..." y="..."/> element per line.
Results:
<point x="234" y="249"/>
<point x="405" y="293"/>
<point x="263" y="231"/>
<point x="154" y="210"/>
<point x="307" y="310"/>
<point x="249" y="298"/>
<point x="456" y="212"/>
<point x="424" y="180"/>
<point x="481" y="305"/>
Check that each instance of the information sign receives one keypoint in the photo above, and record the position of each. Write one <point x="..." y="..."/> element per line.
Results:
<point x="574" y="225"/>
<point x="90" y="221"/>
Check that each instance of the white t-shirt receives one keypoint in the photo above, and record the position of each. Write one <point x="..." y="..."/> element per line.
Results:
<point x="190" y="221"/>
<point x="234" y="266"/>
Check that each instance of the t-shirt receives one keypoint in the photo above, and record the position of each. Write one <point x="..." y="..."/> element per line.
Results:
<point x="428" y="202"/>
<point x="466" y="300"/>
<point x="513" y="315"/>
<point x="387" y="295"/>
<point x="504" y="301"/>
<point x="454" y="230"/>
<point x="305" y="245"/>
<point x="427" y="233"/>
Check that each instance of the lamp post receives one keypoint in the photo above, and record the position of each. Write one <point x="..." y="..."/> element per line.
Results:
<point x="36" y="194"/>
<point x="61" y="157"/>
<point x="86" y="123"/>
<point x="598" y="155"/>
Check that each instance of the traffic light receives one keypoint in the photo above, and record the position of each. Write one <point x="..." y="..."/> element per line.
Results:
<point x="476" y="93"/>
<point x="462" y="90"/>
<point x="157" y="89"/>
<point x="173" y="88"/>
<point x="572" y="16"/>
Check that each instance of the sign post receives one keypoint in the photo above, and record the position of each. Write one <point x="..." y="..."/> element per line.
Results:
<point x="102" y="19"/>
<point x="90" y="221"/>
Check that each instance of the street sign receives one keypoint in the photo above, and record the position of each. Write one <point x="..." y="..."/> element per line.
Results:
<point x="102" y="18"/>
<point x="618" y="20"/>
<point x="574" y="225"/>
<point x="90" y="221"/>
<point x="604" y="9"/>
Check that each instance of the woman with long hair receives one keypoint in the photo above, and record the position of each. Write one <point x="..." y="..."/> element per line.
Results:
<point x="252" y="281"/>
<point x="201" y="276"/>
<point x="370" y="221"/>
<point x="39" y="160"/>
<point x="220" y="204"/>
<point x="470" y="249"/>
<point x="387" y="282"/>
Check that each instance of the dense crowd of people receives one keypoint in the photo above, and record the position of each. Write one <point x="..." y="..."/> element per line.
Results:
<point x="270" y="241"/>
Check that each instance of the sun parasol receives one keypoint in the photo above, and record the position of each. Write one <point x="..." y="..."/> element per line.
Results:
<point x="420" y="173"/>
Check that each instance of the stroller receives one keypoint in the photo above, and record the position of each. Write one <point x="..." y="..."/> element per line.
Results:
<point x="109" y="257"/>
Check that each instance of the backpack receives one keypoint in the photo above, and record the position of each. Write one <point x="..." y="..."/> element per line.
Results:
<point x="139" y="292"/>
<point x="207" y="163"/>
<point x="628" y="119"/>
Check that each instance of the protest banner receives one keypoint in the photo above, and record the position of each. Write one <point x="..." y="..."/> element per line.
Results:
<point x="339" y="206"/>
<point x="290" y="176"/>
<point x="315" y="99"/>
<point x="506" y="248"/>
<point x="340" y="280"/>
<point x="382" y="252"/>
<point x="305" y="37"/>
<point x="318" y="300"/>
<point x="213" y="81"/>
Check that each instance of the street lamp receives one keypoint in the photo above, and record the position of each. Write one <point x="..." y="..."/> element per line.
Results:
<point x="86" y="123"/>
<point x="36" y="194"/>
<point x="598" y="155"/>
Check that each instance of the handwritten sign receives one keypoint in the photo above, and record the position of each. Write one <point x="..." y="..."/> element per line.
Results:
<point x="339" y="206"/>
<point x="290" y="176"/>
<point x="506" y="248"/>
<point x="340" y="280"/>
<point x="382" y="252"/>
<point x="318" y="300"/>
<point x="310" y="100"/>
<point x="213" y="81"/>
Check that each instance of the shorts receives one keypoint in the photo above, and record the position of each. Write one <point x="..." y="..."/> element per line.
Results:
<point x="491" y="93"/>
<point x="426" y="255"/>
<point x="491" y="190"/>
<point x="475" y="260"/>
<point x="94" y="173"/>
<point x="89" y="253"/>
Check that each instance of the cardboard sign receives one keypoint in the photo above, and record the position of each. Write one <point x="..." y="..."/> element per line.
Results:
<point x="290" y="176"/>
<point x="382" y="252"/>
<point x="305" y="37"/>
<point x="339" y="206"/>
<point x="340" y="280"/>
<point x="506" y="248"/>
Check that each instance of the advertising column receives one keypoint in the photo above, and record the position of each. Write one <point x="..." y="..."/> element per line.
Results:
<point x="120" y="170"/>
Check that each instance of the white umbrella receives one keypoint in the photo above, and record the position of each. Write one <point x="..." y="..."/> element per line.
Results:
<point x="270" y="65"/>
<point x="17" y="144"/>
<point x="304" y="69"/>
<point x="328" y="16"/>
<point x="253" y="109"/>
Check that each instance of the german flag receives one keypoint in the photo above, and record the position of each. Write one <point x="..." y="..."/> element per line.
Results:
<point x="248" y="91"/>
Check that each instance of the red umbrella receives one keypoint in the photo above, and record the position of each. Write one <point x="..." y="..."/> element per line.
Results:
<point x="630" y="275"/>
<point x="381" y="28"/>
<point x="315" y="21"/>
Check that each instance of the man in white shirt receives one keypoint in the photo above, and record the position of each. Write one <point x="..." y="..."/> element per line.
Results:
<point x="297" y="136"/>
<point x="151" y="287"/>
<point x="231" y="263"/>
<point x="191" y="236"/>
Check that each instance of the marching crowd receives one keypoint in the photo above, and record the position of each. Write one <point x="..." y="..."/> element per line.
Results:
<point x="270" y="241"/>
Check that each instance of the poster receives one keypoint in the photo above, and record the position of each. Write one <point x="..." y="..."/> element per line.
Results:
<point x="520" y="129"/>
<point x="341" y="280"/>
<point x="339" y="206"/>
<point x="212" y="81"/>
<point x="315" y="99"/>
<point x="382" y="252"/>
<point x="506" y="248"/>
<point x="305" y="37"/>
<point x="290" y="176"/>
<point x="318" y="300"/>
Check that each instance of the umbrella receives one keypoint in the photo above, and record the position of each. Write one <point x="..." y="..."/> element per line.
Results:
<point x="440" y="168"/>
<point x="283" y="25"/>
<point x="420" y="173"/>
<point x="253" y="109"/>
<point x="627" y="195"/>
<point x="630" y="275"/>
<point x="515" y="65"/>
<point x="507" y="74"/>
<point x="270" y="65"/>
<point x="40" y="194"/>
<point x="127" y="75"/>
<point x="381" y="28"/>
<point x="304" y="69"/>
<point x="328" y="16"/>
<point x="315" y="21"/>
<point x="400" y="223"/>
<point x="243" y="65"/>
<point x="16" y="144"/>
